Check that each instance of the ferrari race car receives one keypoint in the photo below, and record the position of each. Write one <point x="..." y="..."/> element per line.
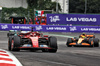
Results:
<point x="29" y="40"/>
<point x="88" y="40"/>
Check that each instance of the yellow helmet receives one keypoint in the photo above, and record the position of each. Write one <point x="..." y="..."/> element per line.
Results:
<point x="83" y="34"/>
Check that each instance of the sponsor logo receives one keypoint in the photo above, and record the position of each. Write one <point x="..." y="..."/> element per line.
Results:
<point x="38" y="27"/>
<point x="4" y="26"/>
<point x="90" y="29"/>
<point x="73" y="28"/>
<point x="15" y="27"/>
<point x="21" y="27"/>
<point x="87" y="19"/>
<point x="56" y="28"/>
<point x="54" y="19"/>
<point x="75" y="19"/>
<point x="25" y="27"/>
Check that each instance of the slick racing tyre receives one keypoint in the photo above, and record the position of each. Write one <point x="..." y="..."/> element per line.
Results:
<point x="90" y="42"/>
<point x="9" y="43"/>
<point x="16" y="41"/>
<point x="76" y="38"/>
<point x="53" y="44"/>
<point x="68" y="42"/>
<point x="96" y="42"/>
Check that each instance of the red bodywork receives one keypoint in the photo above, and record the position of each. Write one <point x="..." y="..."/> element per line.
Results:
<point x="34" y="36"/>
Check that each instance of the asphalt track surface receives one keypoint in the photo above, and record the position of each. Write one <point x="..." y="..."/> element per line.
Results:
<point x="65" y="56"/>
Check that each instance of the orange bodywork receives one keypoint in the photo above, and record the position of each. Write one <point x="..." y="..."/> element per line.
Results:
<point x="79" y="44"/>
<point x="90" y="36"/>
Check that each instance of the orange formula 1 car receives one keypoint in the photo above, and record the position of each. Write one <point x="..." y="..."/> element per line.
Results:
<point x="83" y="40"/>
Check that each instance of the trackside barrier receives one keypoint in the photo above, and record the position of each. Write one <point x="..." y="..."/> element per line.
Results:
<point x="50" y="28"/>
<point x="79" y="19"/>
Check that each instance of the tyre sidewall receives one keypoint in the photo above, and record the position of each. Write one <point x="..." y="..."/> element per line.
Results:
<point x="96" y="42"/>
<point x="53" y="42"/>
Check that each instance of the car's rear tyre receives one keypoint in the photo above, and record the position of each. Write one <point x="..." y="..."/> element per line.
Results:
<point x="76" y="38"/>
<point x="93" y="36"/>
<point x="90" y="41"/>
<point x="53" y="44"/>
<point x="85" y="40"/>
<point x="16" y="41"/>
<point x="9" y="43"/>
<point x="96" y="42"/>
<point x="69" y="40"/>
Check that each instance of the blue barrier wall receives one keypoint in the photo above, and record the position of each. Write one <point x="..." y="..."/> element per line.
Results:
<point x="82" y="19"/>
<point x="50" y="28"/>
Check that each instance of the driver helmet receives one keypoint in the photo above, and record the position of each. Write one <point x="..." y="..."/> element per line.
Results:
<point x="83" y="35"/>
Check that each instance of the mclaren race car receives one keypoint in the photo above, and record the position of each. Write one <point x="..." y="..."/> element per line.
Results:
<point x="30" y="40"/>
<point x="83" y="40"/>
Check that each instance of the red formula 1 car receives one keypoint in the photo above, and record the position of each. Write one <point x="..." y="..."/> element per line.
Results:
<point x="32" y="41"/>
<point x="88" y="40"/>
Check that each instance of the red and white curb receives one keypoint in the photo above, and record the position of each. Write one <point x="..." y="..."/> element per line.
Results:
<point x="8" y="59"/>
